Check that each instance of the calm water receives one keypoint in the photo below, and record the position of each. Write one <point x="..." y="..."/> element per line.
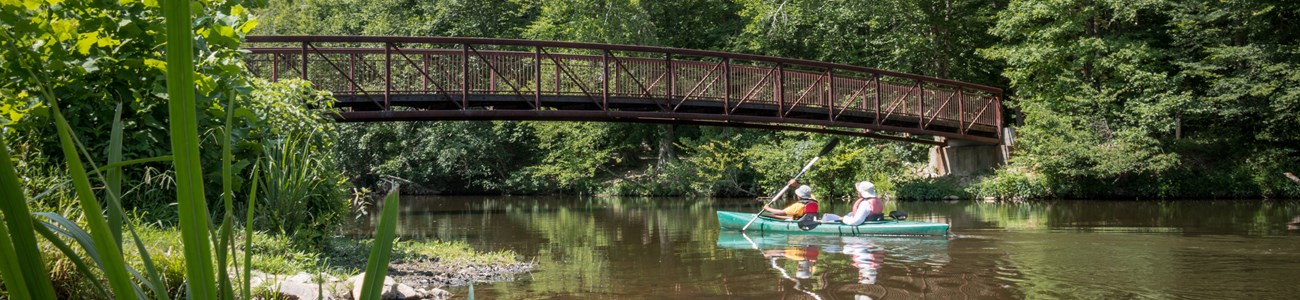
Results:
<point x="603" y="248"/>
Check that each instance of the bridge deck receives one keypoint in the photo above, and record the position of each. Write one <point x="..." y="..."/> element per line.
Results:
<point x="413" y="78"/>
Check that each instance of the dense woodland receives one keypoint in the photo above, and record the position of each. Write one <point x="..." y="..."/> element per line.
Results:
<point x="1150" y="99"/>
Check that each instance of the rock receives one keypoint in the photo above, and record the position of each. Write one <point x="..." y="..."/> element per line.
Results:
<point x="302" y="291"/>
<point x="437" y="293"/>
<point x="299" y="278"/>
<point x="392" y="289"/>
<point x="407" y="292"/>
<point x="951" y="197"/>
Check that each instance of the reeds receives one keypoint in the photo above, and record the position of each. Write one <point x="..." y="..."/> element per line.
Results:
<point x="22" y="265"/>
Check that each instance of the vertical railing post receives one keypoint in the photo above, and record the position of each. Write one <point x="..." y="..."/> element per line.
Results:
<point x="920" y="104"/>
<point x="275" y="67"/>
<point x="352" y="73"/>
<point x="780" y="90"/>
<point x="878" y="94"/>
<point x="464" y="76"/>
<point x="672" y="78"/>
<point x="537" y="71"/>
<point x="726" y="86"/>
<point x="961" y="111"/>
<point x="604" y="93"/>
<point x="997" y="116"/>
<point x="304" y="60"/>
<point x="492" y="76"/>
<point x="424" y="65"/>
<point x="830" y="98"/>
<point x="388" y="75"/>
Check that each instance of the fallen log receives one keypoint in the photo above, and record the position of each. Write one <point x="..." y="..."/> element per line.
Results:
<point x="1293" y="177"/>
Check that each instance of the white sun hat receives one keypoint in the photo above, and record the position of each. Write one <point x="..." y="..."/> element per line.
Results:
<point x="866" y="189"/>
<point x="804" y="192"/>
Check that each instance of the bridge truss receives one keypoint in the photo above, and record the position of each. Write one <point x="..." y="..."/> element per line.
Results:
<point x="443" y="78"/>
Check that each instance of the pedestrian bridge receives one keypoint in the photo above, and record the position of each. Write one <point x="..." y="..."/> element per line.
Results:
<point x="444" y="78"/>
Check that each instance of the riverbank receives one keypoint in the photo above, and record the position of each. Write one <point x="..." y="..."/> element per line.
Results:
<point x="421" y="264"/>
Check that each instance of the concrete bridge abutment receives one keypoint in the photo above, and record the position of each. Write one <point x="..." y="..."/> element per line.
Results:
<point x="965" y="158"/>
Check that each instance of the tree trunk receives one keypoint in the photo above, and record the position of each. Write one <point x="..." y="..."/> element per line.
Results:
<point x="667" y="152"/>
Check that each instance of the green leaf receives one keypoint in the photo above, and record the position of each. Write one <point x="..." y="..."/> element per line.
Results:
<point x="155" y="64"/>
<point x="194" y="223"/>
<point x="90" y="65"/>
<point x="377" y="265"/>
<point x="86" y="41"/>
<point x="114" y="263"/>
<point x="114" y="177"/>
<point x="20" y="237"/>
<point x="248" y="26"/>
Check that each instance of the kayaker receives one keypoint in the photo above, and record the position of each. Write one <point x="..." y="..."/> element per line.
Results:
<point x="804" y="204"/>
<point x="868" y="207"/>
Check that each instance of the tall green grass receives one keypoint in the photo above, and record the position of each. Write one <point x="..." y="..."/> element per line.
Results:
<point x="377" y="264"/>
<point x="22" y="265"/>
<point x="194" y="223"/>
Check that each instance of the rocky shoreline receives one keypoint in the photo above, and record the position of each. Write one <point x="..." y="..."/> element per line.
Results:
<point x="432" y="273"/>
<point x="407" y="279"/>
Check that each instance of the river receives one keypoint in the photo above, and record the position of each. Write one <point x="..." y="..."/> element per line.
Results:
<point x="600" y="248"/>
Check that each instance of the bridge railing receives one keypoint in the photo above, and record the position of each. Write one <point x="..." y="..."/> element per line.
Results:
<point x="379" y="73"/>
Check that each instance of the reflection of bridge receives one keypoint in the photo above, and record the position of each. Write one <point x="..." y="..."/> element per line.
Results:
<point x="440" y="78"/>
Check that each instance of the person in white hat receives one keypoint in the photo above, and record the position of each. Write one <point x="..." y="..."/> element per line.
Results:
<point x="803" y="205"/>
<point x="868" y="207"/>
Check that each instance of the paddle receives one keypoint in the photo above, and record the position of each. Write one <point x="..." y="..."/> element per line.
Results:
<point x="827" y="149"/>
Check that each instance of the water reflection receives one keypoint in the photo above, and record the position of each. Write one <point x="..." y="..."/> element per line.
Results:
<point x="867" y="257"/>
<point x="592" y="247"/>
<point x="831" y="264"/>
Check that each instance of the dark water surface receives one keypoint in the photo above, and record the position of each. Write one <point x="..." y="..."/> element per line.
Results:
<point x="593" y="247"/>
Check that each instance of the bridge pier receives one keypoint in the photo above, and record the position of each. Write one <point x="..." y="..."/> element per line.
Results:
<point x="965" y="158"/>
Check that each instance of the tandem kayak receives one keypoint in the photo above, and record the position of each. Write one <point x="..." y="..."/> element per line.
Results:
<point x="736" y="220"/>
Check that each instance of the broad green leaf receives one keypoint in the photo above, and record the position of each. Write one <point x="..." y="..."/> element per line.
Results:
<point x="86" y="41"/>
<point x="20" y="235"/>
<point x="63" y="30"/>
<point x="248" y="26"/>
<point x="155" y="64"/>
<point x="377" y="265"/>
<point x="114" y="263"/>
<point x="194" y="223"/>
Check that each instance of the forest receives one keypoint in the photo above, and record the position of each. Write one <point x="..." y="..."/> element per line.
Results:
<point x="1109" y="99"/>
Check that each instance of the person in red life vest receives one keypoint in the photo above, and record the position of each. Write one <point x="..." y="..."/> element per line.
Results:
<point x="804" y="204"/>
<point x="868" y="207"/>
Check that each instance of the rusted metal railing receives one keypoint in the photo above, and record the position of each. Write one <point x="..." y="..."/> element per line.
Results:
<point x="443" y="78"/>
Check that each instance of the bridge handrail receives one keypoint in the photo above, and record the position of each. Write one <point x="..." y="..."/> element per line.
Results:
<point x="612" y="47"/>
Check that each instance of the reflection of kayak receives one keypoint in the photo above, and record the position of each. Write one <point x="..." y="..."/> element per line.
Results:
<point x="736" y="220"/>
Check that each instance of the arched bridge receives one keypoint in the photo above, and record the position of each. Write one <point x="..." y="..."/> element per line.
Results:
<point x="444" y="78"/>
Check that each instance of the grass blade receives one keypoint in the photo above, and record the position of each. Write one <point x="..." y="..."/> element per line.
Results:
<point x="114" y="181"/>
<point x="76" y="260"/>
<point x="29" y="272"/>
<point x="113" y="263"/>
<point x="151" y="270"/>
<point x="193" y="208"/>
<point x="227" y="195"/>
<point x="11" y="271"/>
<point x="377" y="265"/>
<point x="248" y="235"/>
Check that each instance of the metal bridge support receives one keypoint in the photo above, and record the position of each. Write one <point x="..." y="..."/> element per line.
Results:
<point x="965" y="158"/>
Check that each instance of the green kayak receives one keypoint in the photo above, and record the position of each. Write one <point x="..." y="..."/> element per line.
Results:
<point x="736" y="220"/>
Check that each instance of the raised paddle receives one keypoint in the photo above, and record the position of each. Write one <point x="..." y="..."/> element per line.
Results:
<point x="827" y="149"/>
